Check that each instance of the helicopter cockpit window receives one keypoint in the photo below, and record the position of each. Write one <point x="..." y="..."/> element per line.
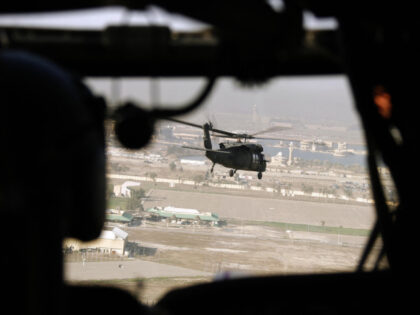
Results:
<point x="180" y="213"/>
<point x="175" y="218"/>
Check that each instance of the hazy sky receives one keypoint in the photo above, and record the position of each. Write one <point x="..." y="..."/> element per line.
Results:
<point x="310" y="99"/>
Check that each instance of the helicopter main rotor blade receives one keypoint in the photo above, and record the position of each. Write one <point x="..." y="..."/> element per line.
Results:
<point x="214" y="130"/>
<point x="228" y="134"/>
<point x="251" y="137"/>
<point x="232" y="136"/>
<point x="184" y="122"/>
<point x="271" y="129"/>
<point x="225" y="134"/>
<point x="267" y="138"/>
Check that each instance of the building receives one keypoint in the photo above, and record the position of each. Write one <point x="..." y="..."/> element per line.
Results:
<point x="184" y="216"/>
<point x="119" y="217"/>
<point x="305" y="145"/>
<point x="342" y="146"/>
<point x="124" y="190"/>
<point x="110" y="242"/>
<point x="277" y="160"/>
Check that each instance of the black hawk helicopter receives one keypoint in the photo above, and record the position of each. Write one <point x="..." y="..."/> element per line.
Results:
<point x="238" y="155"/>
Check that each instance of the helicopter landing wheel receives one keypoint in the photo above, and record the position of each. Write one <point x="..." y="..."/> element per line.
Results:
<point x="231" y="173"/>
<point x="259" y="175"/>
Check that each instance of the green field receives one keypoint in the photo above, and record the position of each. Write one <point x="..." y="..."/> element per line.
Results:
<point x="117" y="203"/>
<point x="306" y="227"/>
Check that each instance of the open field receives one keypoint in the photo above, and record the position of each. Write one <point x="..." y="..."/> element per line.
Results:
<point x="263" y="236"/>
<point x="129" y="269"/>
<point x="187" y="255"/>
<point x="250" y="249"/>
<point x="267" y="209"/>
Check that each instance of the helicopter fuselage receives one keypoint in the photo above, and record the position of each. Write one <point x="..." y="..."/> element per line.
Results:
<point x="241" y="156"/>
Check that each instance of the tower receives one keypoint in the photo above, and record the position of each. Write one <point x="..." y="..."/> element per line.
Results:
<point x="290" y="160"/>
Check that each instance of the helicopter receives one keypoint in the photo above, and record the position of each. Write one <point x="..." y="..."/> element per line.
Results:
<point x="239" y="155"/>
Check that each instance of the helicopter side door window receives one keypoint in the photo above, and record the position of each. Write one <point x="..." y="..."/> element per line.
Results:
<point x="255" y="158"/>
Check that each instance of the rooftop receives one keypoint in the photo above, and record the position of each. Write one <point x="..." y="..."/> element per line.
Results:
<point x="187" y="216"/>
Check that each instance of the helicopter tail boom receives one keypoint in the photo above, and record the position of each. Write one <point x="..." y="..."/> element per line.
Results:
<point x="203" y="149"/>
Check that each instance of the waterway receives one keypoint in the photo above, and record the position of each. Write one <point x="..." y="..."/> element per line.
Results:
<point x="352" y="159"/>
<point x="347" y="160"/>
